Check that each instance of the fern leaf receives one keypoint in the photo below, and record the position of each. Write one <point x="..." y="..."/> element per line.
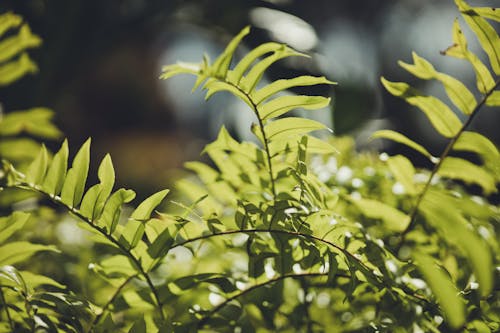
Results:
<point x="14" y="252"/>
<point x="144" y="210"/>
<point x="484" y="80"/>
<point x="485" y="33"/>
<point x="9" y="21"/>
<point x="438" y="113"/>
<point x="401" y="138"/>
<point x="494" y="99"/>
<point x="403" y="170"/>
<point x="457" y="92"/>
<point x="38" y="168"/>
<point x="481" y="145"/>
<point x="24" y="39"/>
<point x="280" y="85"/>
<point x="393" y="219"/>
<point x="213" y="86"/>
<point x="12" y="223"/>
<point x="74" y="184"/>
<point x="94" y="199"/>
<point x="111" y="212"/>
<point x="441" y="285"/>
<point x="221" y="64"/>
<point x="457" y="168"/>
<point x="53" y="182"/>
<point x="284" y="104"/>
<point x="291" y="127"/>
<point x="491" y="13"/>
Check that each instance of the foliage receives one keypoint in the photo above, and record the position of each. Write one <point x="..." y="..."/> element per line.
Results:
<point x="286" y="233"/>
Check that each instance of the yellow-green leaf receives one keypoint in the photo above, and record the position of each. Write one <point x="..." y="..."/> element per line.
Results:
<point x="438" y="113"/>
<point x="291" y="126"/>
<point x="457" y="92"/>
<point x="392" y="218"/>
<point x="56" y="174"/>
<point x="132" y="233"/>
<point x="15" y="69"/>
<point x="283" y="84"/>
<point x="38" y="168"/>
<point x="12" y="223"/>
<point x="401" y="138"/>
<point x="481" y="145"/>
<point x="8" y="21"/>
<point x="111" y="212"/>
<point x="221" y="64"/>
<point x="485" y="33"/>
<point x="457" y="168"/>
<point x="15" y="44"/>
<point x="491" y="13"/>
<point x="74" y="185"/>
<point x="284" y="104"/>
<point x="213" y="86"/>
<point x="403" y="171"/>
<point x="494" y="98"/>
<point x="144" y="210"/>
<point x="15" y="252"/>
<point x="444" y="290"/>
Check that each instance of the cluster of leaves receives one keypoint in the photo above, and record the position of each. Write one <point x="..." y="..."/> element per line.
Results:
<point x="287" y="233"/>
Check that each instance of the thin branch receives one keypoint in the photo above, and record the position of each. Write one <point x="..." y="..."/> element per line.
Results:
<point x="438" y="165"/>
<point x="109" y="302"/>
<point x="7" y="312"/>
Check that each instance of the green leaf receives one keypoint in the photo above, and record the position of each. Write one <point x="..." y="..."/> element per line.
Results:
<point x="12" y="276"/>
<point x="457" y="92"/>
<point x="403" y="171"/>
<point x="484" y="80"/>
<point x="54" y="180"/>
<point x="15" y="44"/>
<point x="138" y="327"/>
<point x="38" y="168"/>
<point x="400" y="138"/>
<point x="213" y="86"/>
<point x="222" y="63"/>
<point x="438" y="113"/>
<point x="111" y="213"/>
<point x="494" y="98"/>
<point x="444" y="290"/>
<point x="457" y="168"/>
<point x="12" y="223"/>
<point x="132" y="233"/>
<point x="34" y="280"/>
<point x="35" y="121"/>
<point x="394" y="219"/>
<point x="15" y="252"/>
<point x="444" y="213"/>
<point x="485" y="33"/>
<point x="284" y="104"/>
<point x="491" y="13"/>
<point x="74" y="185"/>
<point x="291" y="127"/>
<point x="283" y="84"/>
<point x="15" y="69"/>
<point x="9" y="21"/>
<point x="144" y="210"/>
<point x="481" y="145"/>
<point x="250" y="81"/>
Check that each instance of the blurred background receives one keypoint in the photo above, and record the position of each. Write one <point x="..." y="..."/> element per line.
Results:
<point x="100" y="63"/>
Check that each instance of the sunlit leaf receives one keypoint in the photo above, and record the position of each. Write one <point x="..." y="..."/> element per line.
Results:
<point x="213" y="86"/>
<point x="138" y="327"/>
<point x="485" y="33"/>
<point x="15" y="69"/>
<point x="111" y="213"/>
<point x="12" y="223"/>
<point x="284" y="104"/>
<point x="457" y="168"/>
<point x="38" y="168"/>
<point x="481" y="145"/>
<point x="8" y="21"/>
<point x="403" y="171"/>
<point x="438" y="113"/>
<point x="446" y="293"/>
<point x="15" y="252"/>
<point x="144" y="210"/>
<point x="401" y="138"/>
<point x="56" y="174"/>
<point x="456" y="90"/>
<point x="74" y="184"/>
<point x="494" y="98"/>
<point x="291" y="126"/>
<point x="491" y="13"/>
<point x="221" y="64"/>
<point x="132" y="233"/>
<point x="393" y="219"/>
<point x="18" y="42"/>
<point x="283" y="84"/>
<point x="35" y="121"/>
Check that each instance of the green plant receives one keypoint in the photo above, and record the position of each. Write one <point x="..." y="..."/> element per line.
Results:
<point x="288" y="233"/>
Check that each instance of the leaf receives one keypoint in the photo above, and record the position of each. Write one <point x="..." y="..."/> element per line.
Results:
<point x="192" y="281"/>
<point x="481" y="145"/>
<point x="457" y="92"/>
<point x="221" y="65"/>
<point x="74" y="185"/>
<point x="15" y="69"/>
<point x="444" y="213"/>
<point x="213" y="86"/>
<point x="403" y="171"/>
<point x="132" y="233"/>
<point x="15" y="44"/>
<point x="485" y="33"/>
<point x="494" y="98"/>
<point x="15" y="252"/>
<point x="488" y="12"/>
<point x="393" y="219"/>
<point x="38" y="168"/>
<point x="111" y="212"/>
<point x="144" y="210"/>
<point x="444" y="290"/>
<point x="284" y="104"/>
<point x="283" y="84"/>
<point x="291" y="127"/>
<point x="12" y="275"/>
<point x="161" y="245"/>
<point x="8" y="21"/>
<point x="54" y="180"/>
<point x="35" y="121"/>
<point x="12" y="223"/>
<point x="400" y="138"/>
<point x="438" y="113"/>
<point x="457" y="168"/>
<point x="250" y="81"/>
<point x="484" y="80"/>
<point x="138" y="327"/>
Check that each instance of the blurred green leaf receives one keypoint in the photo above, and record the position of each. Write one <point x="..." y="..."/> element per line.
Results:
<point x="284" y="104"/>
<point x="56" y="174"/>
<point x="74" y="184"/>
<point x="457" y="168"/>
<point x="12" y="223"/>
<point x="15" y="252"/>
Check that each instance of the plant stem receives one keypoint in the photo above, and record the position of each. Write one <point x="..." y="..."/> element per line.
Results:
<point x="109" y="302"/>
<point x="7" y="312"/>
<point x="437" y="166"/>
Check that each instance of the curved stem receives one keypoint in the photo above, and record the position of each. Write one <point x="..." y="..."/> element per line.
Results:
<point x="437" y="166"/>
<point x="109" y="302"/>
<point x="114" y="241"/>
<point x="7" y="312"/>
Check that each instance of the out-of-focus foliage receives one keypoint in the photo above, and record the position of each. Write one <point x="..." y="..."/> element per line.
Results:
<point x="287" y="233"/>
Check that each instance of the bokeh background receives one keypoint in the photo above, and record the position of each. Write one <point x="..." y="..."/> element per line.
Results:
<point x="100" y="63"/>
